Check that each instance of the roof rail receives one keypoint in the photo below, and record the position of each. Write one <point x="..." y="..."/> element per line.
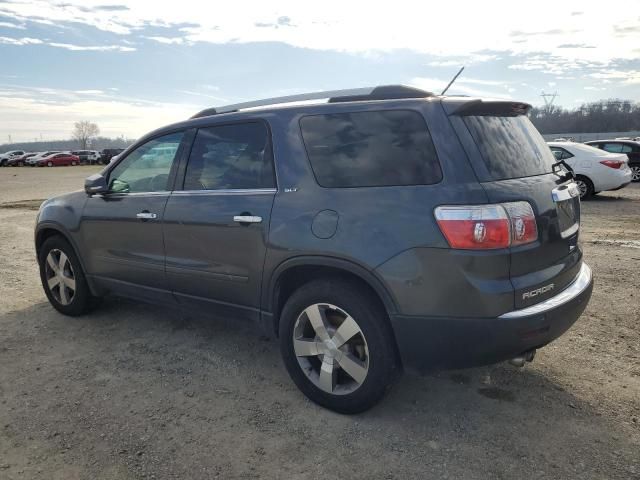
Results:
<point x="383" y="92"/>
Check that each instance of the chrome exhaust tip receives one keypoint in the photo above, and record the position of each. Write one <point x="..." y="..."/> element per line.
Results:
<point x="522" y="359"/>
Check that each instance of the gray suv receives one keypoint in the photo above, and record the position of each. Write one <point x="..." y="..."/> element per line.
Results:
<point x="383" y="229"/>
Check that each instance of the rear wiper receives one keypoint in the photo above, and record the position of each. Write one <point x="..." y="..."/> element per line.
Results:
<point x="557" y="167"/>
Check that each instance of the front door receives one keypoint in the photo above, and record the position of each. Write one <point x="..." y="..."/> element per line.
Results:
<point x="216" y="226"/>
<point x="122" y="230"/>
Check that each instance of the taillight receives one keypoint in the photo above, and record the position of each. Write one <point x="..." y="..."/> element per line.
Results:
<point x="523" y="222"/>
<point x="482" y="227"/>
<point x="613" y="163"/>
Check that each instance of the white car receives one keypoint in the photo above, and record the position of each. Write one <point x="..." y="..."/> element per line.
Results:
<point x="595" y="169"/>
<point x="5" y="157"/>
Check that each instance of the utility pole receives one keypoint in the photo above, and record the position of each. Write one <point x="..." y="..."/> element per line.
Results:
<point x="548" y="98"/>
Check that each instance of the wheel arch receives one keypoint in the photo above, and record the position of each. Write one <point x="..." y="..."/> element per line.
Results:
<point x="47" y="230"/>
<point x="295" y="272"/>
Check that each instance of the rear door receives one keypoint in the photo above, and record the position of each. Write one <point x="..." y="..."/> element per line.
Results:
<point x="216" y="226"/>
<point x="513" y="163"/>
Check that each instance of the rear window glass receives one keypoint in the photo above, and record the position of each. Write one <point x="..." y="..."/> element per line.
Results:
<point x="511" y="147"/>
<point x="369" y="149"/>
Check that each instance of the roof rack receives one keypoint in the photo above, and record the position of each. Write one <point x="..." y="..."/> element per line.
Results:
<point x="383" y="92"/>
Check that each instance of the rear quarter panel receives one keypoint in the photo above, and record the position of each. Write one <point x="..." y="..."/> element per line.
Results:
<point x="374" y="224"/>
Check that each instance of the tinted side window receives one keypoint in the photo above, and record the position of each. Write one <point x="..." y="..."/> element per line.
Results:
<point x="613" y="147"/>
<point x="231" y="157"/>
<point x="147" y="168"/>
<point x="369" y="149"/>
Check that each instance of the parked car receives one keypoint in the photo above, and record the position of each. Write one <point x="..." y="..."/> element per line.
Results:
<point x="87" y="156"/>
<point x="629" y="147"/>
<point x="595" y="170"/>
<point x="58" y="160"/>
<point x="108" y="153"/>
<point x="20" y="160"/>
<point x="5" y="157"/>
<point x="388" y="228"/>
<point x="33" y="161"/>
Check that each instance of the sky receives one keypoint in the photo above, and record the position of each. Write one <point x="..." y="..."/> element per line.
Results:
<point x="133" y="66"/>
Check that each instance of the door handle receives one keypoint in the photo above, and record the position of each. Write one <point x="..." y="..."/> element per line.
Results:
<point x="146" y="215"/>
<point x="247" y="219"/>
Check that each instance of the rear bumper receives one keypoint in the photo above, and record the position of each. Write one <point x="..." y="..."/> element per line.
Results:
<point x="428" y="343"/>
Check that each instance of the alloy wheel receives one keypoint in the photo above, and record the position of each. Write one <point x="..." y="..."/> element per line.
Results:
<point x="635" y="173"/>
<point x="331" y="349"/>
<point x="582" y="188"/>
<point x="60" y="277"/>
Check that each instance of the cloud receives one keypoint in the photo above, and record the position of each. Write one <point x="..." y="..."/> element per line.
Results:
<point x="12" y="25"/>
<point x="169" y="40"/>
<point x="283" y="21"/>
<point x="630" y="30"/>
<point x="555" y="31"/>
<point x="55" y="110"/>
<point x="111" y="8"/>
<point x="336" y="25"/>
<point x="628" y="77"/>
<point x="20" y="41"/>
<point x="575" y="45"/>
<point x="94" y="48"/>
<point x="436" y="85"/>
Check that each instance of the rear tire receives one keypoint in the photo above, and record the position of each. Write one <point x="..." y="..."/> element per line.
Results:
<point x="62" y="278"/>
<point x="585" y="186"/>
<point x="337" y="345"/>
<point x="635" y="173"/>
<point x="49" y="164"/>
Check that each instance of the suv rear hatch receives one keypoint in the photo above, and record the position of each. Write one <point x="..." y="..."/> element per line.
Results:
<point x="513" y="163"/>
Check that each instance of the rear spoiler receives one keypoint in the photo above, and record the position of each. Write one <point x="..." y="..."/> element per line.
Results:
<point x="491" y="107"/>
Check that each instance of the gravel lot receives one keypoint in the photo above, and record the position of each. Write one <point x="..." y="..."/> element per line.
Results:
<point x="133" y="391"/>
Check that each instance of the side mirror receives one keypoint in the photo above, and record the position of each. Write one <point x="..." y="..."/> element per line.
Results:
<point x="95" y="184"/>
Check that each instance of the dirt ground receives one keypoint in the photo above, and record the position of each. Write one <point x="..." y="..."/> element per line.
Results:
<point x="134" y="391"/>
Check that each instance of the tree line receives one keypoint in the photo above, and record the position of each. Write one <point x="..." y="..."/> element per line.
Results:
<point x="612" y="115"/>
<point x="83" y="137"/>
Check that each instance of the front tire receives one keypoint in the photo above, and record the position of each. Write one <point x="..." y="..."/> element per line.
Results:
<point x="49" y="164"/>
<point x="337" y="345"/>
<point x="62" y="278"/>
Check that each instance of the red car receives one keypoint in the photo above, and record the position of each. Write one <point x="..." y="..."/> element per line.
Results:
<point x="58" y="159"/>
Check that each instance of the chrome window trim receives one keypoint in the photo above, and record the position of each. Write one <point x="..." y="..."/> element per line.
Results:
<point x="136" y="194"/>
<point x="228" y="191"/>
<point x="579" y="285"/>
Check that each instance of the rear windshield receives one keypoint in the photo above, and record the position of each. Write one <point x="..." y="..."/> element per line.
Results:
<point x="511" y="147"/>
<point x="369" y="149"/>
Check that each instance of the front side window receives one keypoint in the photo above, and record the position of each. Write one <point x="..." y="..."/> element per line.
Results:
<point x="231" y="157"/>
<point x="147" y="168"/>
<point x="370" y="149"/>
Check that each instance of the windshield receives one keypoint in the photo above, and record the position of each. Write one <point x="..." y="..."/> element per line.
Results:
<point x="511" y="147"/>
